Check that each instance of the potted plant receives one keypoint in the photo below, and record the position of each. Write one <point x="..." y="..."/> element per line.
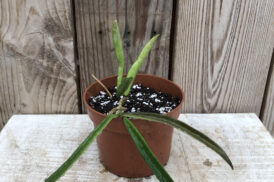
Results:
<point x="134" y="127"/>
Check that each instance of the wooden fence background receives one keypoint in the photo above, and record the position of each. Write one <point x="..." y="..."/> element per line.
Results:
<point x="218" y="51"/>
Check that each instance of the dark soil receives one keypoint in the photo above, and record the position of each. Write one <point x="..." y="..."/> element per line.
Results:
<point x="140" y="99"/>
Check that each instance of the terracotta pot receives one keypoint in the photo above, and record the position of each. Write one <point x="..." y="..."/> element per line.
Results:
<point x="117" y="151"/>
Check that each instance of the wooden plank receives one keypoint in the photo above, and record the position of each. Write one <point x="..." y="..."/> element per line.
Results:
<point x="222" y="54"/>
<point x="267" y="114"/>
<point x="37" y="68"/>
<point x="47" y="140"/>
<point x="138" y="20"/>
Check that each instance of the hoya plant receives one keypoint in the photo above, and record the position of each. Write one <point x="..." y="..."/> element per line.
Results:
<point x="124" y="85"/>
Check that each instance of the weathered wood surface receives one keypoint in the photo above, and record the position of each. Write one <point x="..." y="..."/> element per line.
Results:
<point x="33" y="146"/>
<point x="222" y="54"/>
<point x="267" y="114"/>
<point x="138" y="20"/>
<point x="37" y="69"/>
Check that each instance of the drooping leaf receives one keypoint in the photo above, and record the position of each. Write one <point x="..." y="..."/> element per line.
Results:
<point x="146" y="153"/>
<point x="183" y="127"/>
<point x="137" y="64"/>
<point x="126" y="82"/>
<point x="80" y="150"/>
<point x="118" y="48"/>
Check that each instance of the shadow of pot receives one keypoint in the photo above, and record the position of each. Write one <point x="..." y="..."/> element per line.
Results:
<point x="117" y="150"/>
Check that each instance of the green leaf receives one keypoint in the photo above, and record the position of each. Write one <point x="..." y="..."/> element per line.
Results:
<point x="183" y="127"/>
<point x="118" y="47"/>
<point x="126" y="82"/>
<point x="80" y="150"/>
<point x="146" y="153"/>
<point x="137" y="64"/>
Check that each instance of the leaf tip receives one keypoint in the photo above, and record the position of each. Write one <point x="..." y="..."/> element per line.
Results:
<point x="114" y="25"/>
<point x="231" y="165"/>
<point x="227" y="159"/>
<point x="156" y="36"/>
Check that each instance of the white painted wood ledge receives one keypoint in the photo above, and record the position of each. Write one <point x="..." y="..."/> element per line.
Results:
<point x="33" y="146"/>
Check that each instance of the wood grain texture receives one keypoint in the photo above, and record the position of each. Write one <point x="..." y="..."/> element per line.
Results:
<point x="46" y="142"/>
<point x="138" y="20"/>
<point x="222" y="54"/>
<point x="37" y="70"/>
<point x="267" y="114"/>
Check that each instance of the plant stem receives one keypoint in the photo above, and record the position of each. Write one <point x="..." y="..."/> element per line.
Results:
<point x="106" y="89"/>
<point x="120" y="107"/>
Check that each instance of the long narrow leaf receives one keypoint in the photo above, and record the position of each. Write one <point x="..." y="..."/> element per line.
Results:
<point x="146" y="153"/>
<point x="123" y="86"/>
<point x="118" y="48"/>
<point x="137" y="64"/>
<point x="80" y="150"/>
<point x="183" y="127"/>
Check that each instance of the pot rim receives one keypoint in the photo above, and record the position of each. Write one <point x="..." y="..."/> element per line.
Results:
<point x="104" y="115"/>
